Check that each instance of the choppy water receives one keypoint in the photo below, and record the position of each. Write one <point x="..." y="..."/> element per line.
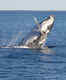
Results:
<point x="24" y="64"/>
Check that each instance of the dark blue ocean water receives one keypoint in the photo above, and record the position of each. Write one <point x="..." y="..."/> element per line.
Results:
<point x="24" y="64"/>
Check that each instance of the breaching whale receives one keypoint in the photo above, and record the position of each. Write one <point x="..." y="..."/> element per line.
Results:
<point x="37" y="37"/>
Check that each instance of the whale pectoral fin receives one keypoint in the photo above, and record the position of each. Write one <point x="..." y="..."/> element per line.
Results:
<point x="36" y="22"/>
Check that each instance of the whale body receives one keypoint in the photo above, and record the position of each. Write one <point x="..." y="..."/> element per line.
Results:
<point x="38" y="36"/>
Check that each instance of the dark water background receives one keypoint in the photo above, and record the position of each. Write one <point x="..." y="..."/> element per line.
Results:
<point x="24" y="64"/>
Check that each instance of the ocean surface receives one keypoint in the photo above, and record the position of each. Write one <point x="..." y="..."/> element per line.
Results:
<point x="26" y="64"/>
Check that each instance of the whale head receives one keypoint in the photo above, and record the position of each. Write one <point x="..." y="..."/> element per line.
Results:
<point x="45" y="28"/>
<point x="47" y="24"/>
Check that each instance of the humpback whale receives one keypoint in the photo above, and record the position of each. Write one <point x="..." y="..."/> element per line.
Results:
<point x="36" y="39"/>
